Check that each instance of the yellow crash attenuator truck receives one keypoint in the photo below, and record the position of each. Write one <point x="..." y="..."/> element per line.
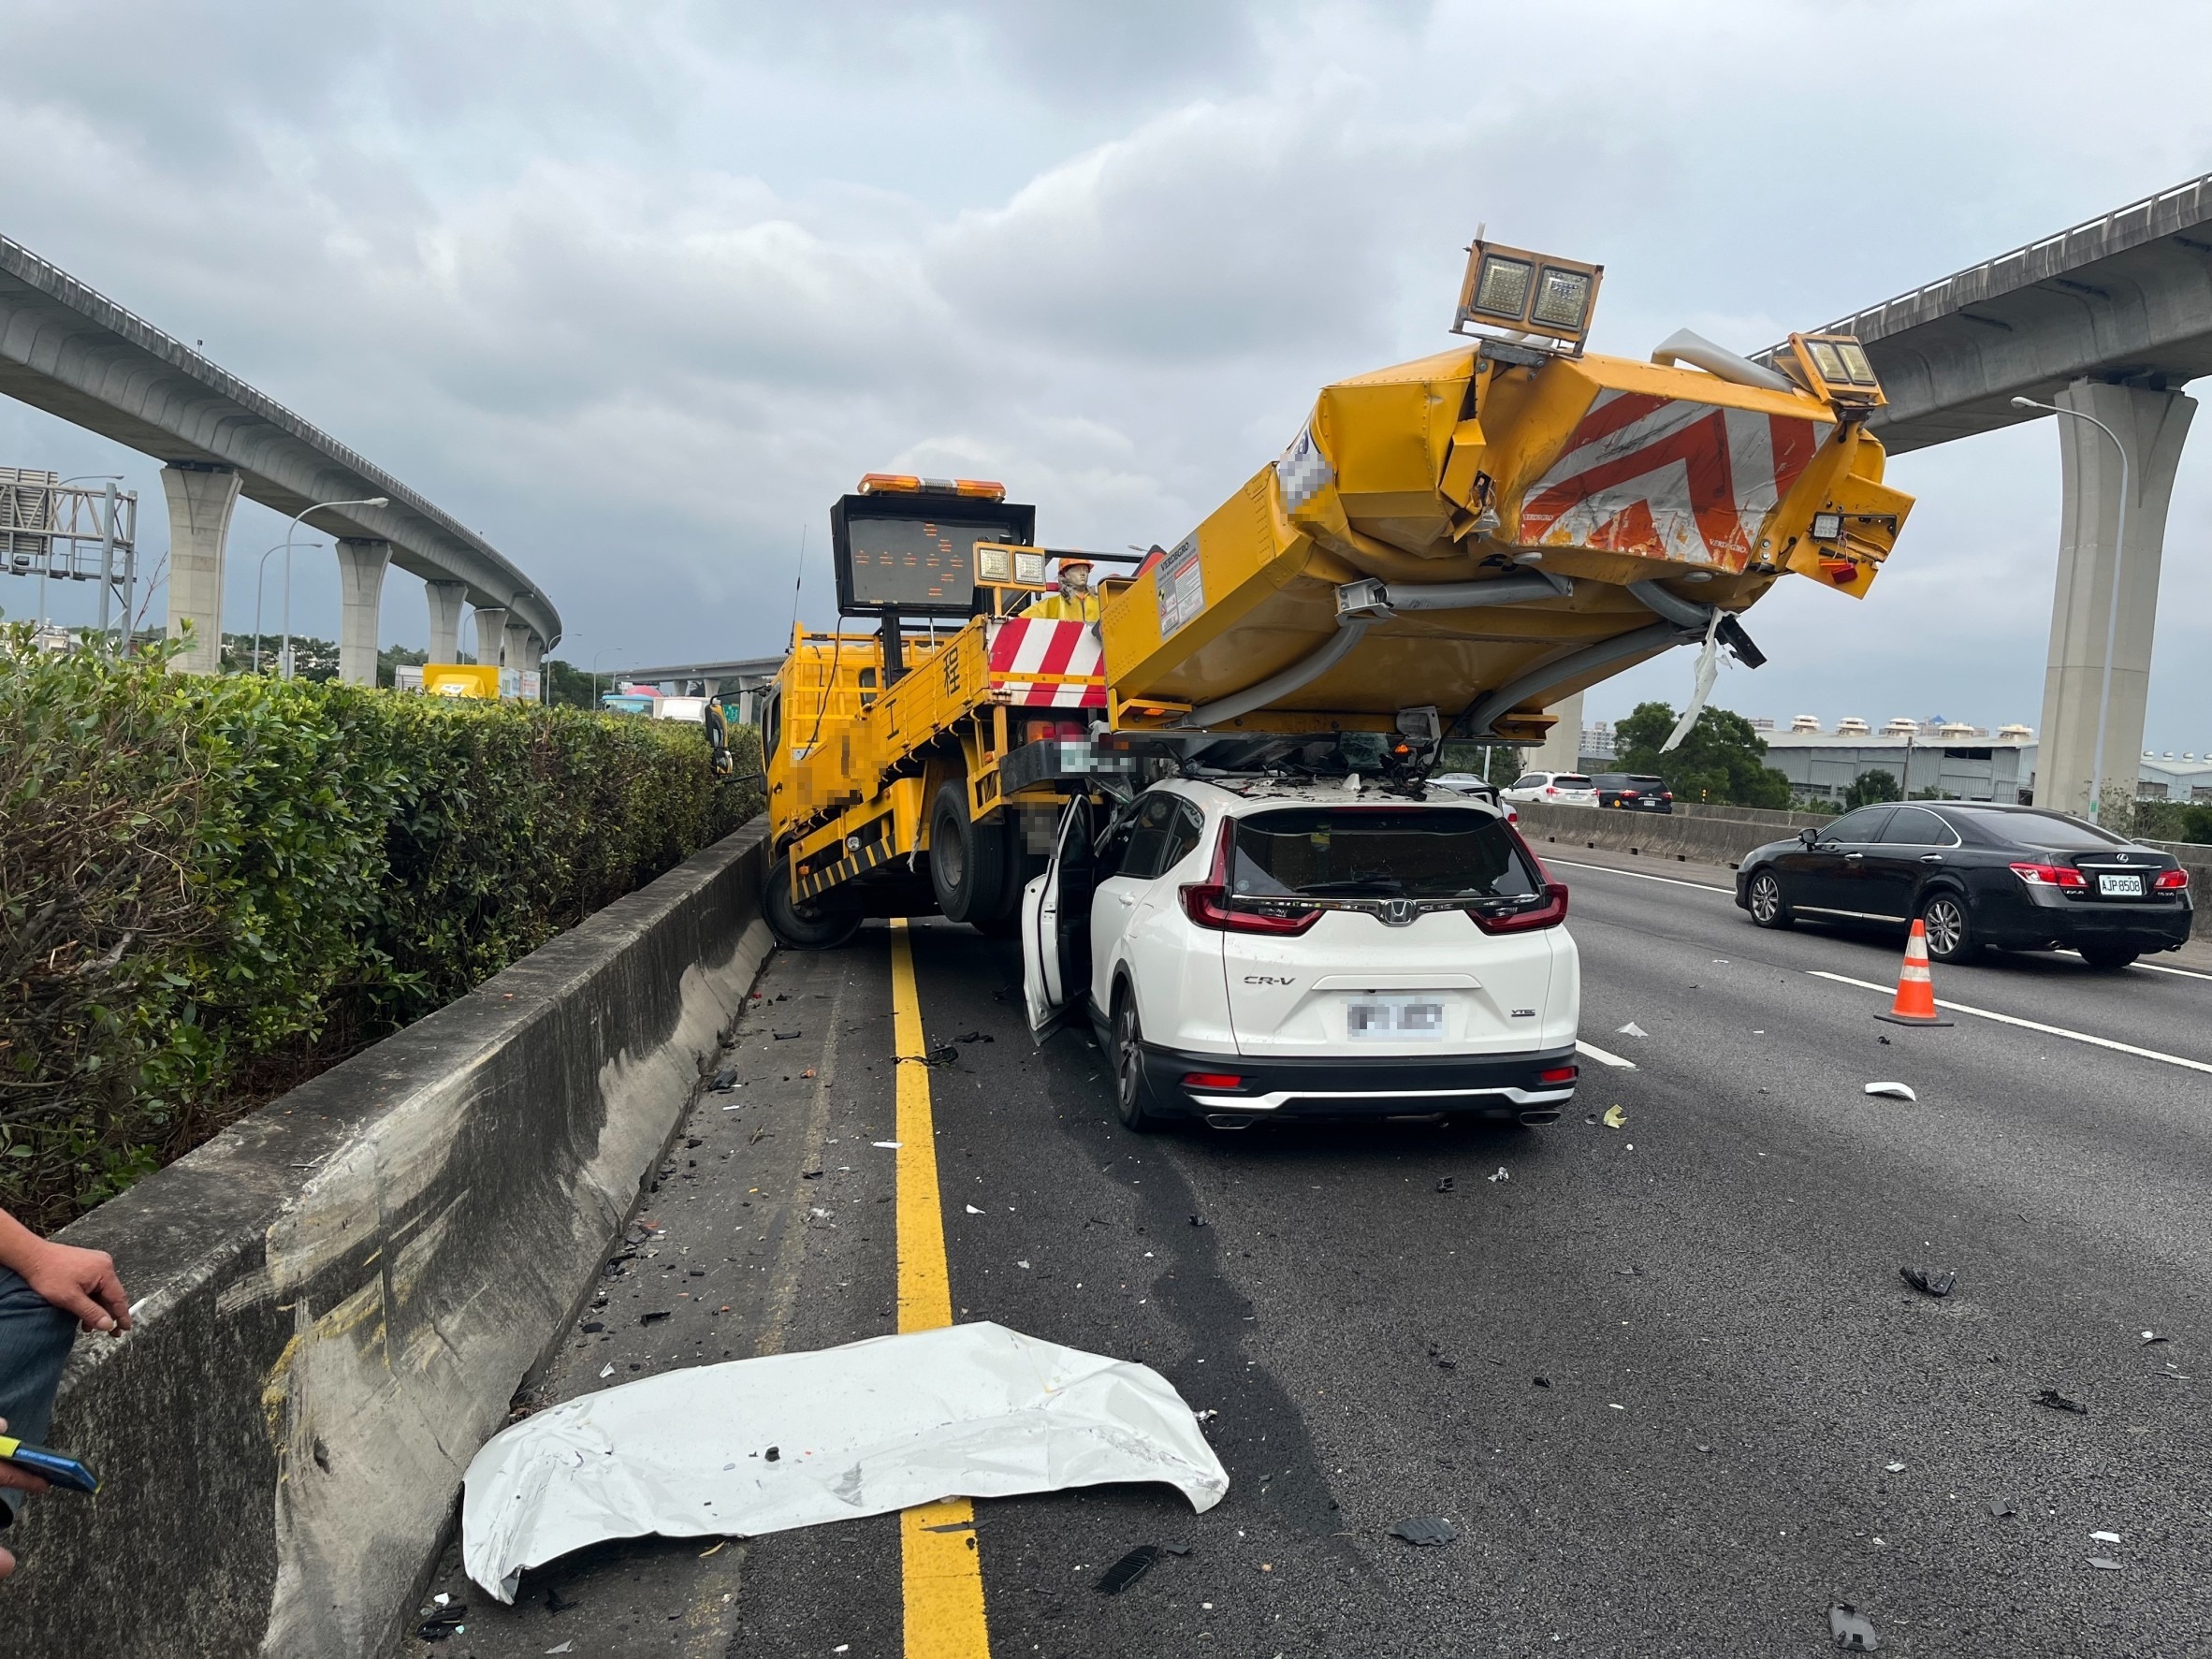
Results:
<point x="1446" y="549"/>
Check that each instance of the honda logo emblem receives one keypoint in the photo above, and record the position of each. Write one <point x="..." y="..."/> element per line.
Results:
<point x="1399" y="912"/>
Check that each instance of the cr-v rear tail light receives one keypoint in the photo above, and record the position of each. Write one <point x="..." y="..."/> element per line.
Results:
<point x="1211" y="904"/>
<point x="2050" y="875"/>
<point x="1550" y="913"/>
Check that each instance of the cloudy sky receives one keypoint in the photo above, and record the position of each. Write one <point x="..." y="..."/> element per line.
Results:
<point x="637" y="289"/>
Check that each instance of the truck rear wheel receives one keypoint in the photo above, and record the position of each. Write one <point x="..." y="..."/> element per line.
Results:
<point x="804" y="926"/>
<point x="967" y="859"/>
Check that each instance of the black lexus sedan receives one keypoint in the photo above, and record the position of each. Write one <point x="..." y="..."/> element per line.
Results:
<point x="1979" y="875"/>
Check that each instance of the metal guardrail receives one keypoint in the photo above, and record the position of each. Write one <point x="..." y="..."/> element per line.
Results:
<point x="2167" y="213"/>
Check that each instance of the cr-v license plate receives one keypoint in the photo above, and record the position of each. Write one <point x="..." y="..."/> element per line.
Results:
<point x="1394" y="1018"/>
<point x="2119" y="886"/>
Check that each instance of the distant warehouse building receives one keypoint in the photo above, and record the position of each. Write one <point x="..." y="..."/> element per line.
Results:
<point x="1822" y="765"/>
<point x="1960" y="763"/>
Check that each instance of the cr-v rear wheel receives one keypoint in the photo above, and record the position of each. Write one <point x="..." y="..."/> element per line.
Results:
<point x="1949" y="925"/>
<point x="1764" y="897"/>
<point x="1132" y="1095"/>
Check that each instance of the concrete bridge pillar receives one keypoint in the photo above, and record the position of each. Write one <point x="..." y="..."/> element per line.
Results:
<point x="445" y="610"/>
<point x="491" y="626"/>
<point x="1563" y="745"/>
<point x="517" y="642"/>
<point x="360" y="593"/>
<point x="200" y="497"/>
<point x="2152" y="426"/>
<point x="534" y="659"/>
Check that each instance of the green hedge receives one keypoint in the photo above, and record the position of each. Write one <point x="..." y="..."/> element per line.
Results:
<point x="211" y="888"/>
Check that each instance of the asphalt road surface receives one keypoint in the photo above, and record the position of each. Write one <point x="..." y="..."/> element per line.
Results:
<point x="1663" y="1379"/>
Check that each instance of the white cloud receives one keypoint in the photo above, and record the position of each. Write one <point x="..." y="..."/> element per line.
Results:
<point x="637" y="291"/>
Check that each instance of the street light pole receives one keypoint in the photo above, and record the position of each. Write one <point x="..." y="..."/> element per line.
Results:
<point x="595" y="657"/>
<point x="284" y="656"/>
<point x="259" y="571"/>
<point x="2111" y="608"/>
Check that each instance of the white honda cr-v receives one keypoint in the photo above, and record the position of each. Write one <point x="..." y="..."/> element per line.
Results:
<point x="1249" y="949"/>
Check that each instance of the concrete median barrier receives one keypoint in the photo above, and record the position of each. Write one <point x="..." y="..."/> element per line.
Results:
<point x="340" y="1295"/>
<point x="1696" y="837"/>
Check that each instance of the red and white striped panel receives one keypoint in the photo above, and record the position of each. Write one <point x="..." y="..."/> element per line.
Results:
<point x="1669" y="479"/>
<point x="1048" y="664"/>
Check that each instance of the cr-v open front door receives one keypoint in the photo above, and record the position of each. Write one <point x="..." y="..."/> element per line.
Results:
<point x="1056" y="924"/>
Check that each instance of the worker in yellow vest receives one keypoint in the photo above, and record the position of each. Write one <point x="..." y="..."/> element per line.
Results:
<point x="1074" y="601"/>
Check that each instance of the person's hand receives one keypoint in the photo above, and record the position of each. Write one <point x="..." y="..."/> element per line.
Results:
<point x="79" y="1282"/>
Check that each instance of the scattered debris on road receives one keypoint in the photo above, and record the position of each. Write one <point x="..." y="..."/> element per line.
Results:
<point x="1128" y="1569"/>
<point x="1927" y="1284"/>
<point x="1501" y="1175"/>
<point x="786" y="1035"/>
<point x="889" y="1145"/>
<point x="1425" y="1532"/>
<point x="973" y="1211"/>
<point x="446" y="1622"/>
<point x="725" y="1080"/>
<point x="2106" y="1537"/>
<point x="2151" y="1336"/>
<point x="1445" y="1185"/>
<point x="1632" y="1029"/>
<point x="1614" y="1117"/>
<point x="1852" y="1630"/>
<point x="1895" y="1468"/>
<point x="1542" y="1382"/>
<point x="2058" y="1402"/>
<point x="1999" y="1508"/>
<point x="972" y="1410"/>
<point x="1894" y="1091"/>
<point x="2104" y="1564"/>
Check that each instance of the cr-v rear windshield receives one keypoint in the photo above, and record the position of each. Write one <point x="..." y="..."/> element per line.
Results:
<point x="1379" y="852"/>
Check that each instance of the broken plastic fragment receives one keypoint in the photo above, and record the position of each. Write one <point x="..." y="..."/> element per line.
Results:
<point x="1632" y="1029"/>
<point x="2151" y="1336"/>
<point x="1895" y="1468"/>
<point x="1894" y="1091"/>
<point x="1445" y="1183"/>
<point x="2000" y="1509"/>
<point x="1501" y="1175"/>
<point x="890" y="1145"/>
<point x="2058" y="1402"/>
<point x="1614" y="1117"/>
<point x="1128" y="1569"/>
<point x="1427" y="1532"/>
<point x="1936" y="1284"/>
<point x="2106" y="1537"/>
<point x="965" y="1411"/>
<point x="1853" y="1631"/>
<point x="2104" y="1564"/>
<point x="973" y="1211"/>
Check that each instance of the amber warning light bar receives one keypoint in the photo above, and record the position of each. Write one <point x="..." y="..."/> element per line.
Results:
<point x="906" y="484"/>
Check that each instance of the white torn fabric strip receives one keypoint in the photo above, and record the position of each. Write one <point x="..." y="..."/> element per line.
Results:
<point x="792" y="1440"/>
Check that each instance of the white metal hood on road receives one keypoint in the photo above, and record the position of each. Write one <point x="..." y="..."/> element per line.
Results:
<point x="792" y="1440"/>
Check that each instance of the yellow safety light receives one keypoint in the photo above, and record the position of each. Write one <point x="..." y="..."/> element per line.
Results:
<point x="907" y="484"/>
<point x="1531" y="293"/>
<point x="1835" y="367"/>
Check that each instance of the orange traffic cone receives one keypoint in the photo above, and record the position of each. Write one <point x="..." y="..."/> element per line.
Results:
<point x="1916" y="1003"/>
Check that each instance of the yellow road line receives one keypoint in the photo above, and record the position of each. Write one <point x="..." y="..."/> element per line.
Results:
<point x="943" y="1572"/>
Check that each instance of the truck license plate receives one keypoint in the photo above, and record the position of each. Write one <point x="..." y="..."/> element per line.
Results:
<point x="2119" y="886"/>
<point x="1393" y="1019"/>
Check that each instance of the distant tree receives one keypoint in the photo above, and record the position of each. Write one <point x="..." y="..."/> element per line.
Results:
<point x="1721" y="758"/>
<point x="1870" y="787"/>
<point x="393" y="657"/>
<point x="2196" y="825"/>
<point x="568" y="686"/>
<point x="311" y="658"/>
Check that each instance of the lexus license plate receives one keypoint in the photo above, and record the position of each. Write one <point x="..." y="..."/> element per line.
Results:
<point x="2119" y="886"/>
<point x="1393" y="1019"/>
